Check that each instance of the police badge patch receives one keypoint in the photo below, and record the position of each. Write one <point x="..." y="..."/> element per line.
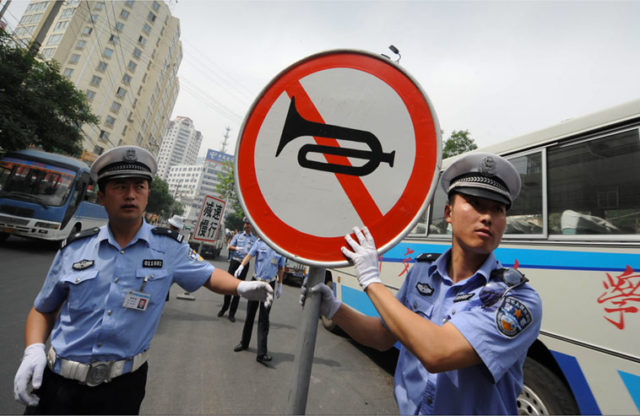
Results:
<point x="424" y="289"/>
<point x="194" y="256"/>
<point x="82" y="264"/>
<point x="512" y="317"/>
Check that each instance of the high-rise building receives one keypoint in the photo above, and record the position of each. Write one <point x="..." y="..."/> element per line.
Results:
<point x="124" y="55"/>
<point x="180" y="145"/>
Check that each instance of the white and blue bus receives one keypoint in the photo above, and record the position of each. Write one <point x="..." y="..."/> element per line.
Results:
<point x="46" y="196"/>
<point x="574" y="232"/>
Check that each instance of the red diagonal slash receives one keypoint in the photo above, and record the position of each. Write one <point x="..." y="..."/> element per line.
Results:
<point x="353" y="186"/>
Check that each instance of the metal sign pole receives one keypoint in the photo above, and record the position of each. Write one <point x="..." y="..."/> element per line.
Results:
<point x="306" y="346"/>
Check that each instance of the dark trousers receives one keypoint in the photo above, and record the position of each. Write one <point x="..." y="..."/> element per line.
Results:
<point x="58" y="395"/>
<point x="236" y="299"/>
<point x="263" y="324"/>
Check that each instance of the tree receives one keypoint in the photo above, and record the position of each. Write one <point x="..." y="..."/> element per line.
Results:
<point x="160" y="200"/>
<point x="227" y="188"/>
<point x="459" y="142"/>
<point x="38" y="106"/>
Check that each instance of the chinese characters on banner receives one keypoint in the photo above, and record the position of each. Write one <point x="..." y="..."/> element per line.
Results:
<point x="621" y="296"/>
<point x="210" y="219"/>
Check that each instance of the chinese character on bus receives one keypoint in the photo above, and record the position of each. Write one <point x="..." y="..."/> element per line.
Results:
<point x="621" y="296"/>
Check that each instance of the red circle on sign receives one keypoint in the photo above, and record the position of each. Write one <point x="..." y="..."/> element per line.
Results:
<point x="386" y="229"/>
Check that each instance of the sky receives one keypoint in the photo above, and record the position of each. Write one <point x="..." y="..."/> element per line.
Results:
<point x="498" y="69"/>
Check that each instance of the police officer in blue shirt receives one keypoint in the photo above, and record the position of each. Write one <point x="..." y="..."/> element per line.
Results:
<point x="465" y="323"/>
<point x="101" y="301"/>
<point x="240" y="245"/>
<point x="268" y="266"/>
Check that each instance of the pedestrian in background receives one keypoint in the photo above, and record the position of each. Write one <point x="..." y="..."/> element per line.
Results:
<point x="103" y="296"/>
<point x="240" y="244"/>
<point x="465" y="323"/>
<point x="269" y="268"/>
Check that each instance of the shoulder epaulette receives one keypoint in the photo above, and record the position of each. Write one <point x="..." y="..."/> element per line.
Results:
<point x="79" y="235"/>
<point x="169" y="233"/>
<point x="428" y="257"/>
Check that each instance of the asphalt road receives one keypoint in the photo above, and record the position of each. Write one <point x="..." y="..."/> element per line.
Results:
<point x="193" y="368"/>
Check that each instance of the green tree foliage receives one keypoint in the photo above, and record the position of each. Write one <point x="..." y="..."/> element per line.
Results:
<point x="38" y="106"/>
<point x="459" y="142"/>
<point x="160" y="200"/>
<point x="227" y="188"/>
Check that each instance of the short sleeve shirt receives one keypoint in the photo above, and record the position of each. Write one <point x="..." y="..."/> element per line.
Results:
<point x="89" y="280"/>
<point x="500" y="334"/>
<point x="242" y="242"/>
<point x="267" y="261"/>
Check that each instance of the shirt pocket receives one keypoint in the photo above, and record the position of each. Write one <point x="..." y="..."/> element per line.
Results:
<point x="82" y="289"/>
<point x="421" y="305"/>
<point x="157" y="284"/>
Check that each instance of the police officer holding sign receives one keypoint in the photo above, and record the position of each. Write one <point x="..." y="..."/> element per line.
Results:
<point x="102" y="299"/>
<point x="465" y="323"/>
<point x="269" y="265"/>
<point x="240" y="245"/>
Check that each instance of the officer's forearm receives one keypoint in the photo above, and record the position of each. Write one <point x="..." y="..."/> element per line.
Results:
<point x="366" y="330"/>
<point x="38" y="326"/>
<point x="222" y="282"/>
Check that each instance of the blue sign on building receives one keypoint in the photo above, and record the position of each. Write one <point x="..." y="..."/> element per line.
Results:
<point x="215" y="156"/>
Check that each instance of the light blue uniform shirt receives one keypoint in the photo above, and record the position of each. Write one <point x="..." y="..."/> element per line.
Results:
<point x="92" y="323"/>
<point x="501" y="342"/>
<point x="243" y="243"/>
<point x="267" y="261"/>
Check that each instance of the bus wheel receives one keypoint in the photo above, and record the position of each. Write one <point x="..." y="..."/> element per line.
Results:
<point x="544" y="393"/>
<point x="3" y="237"/>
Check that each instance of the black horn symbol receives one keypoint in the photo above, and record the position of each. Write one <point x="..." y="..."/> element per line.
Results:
<point x="296" y="126"/>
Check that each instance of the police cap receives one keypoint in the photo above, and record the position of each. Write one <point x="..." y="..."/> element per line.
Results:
<point x="177" y="221"/>
<point x="245" y="220"/>
<point x="484" y="175"/>
<point x="124" y="162"/>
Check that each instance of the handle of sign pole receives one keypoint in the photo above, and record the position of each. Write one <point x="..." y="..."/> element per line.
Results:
<point x="306" y="345"/>
<point x="199" y="248"/>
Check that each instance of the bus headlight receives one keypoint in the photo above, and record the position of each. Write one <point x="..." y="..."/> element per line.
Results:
<point x="47" y="225"/>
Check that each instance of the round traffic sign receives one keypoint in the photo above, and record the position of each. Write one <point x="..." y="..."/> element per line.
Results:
<point x="338" y="139"/>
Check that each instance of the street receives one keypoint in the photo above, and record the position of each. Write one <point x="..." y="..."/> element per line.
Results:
<point x="193" y="368"/>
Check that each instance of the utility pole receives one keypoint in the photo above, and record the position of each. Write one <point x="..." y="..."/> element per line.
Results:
<point x="225" y="141"/>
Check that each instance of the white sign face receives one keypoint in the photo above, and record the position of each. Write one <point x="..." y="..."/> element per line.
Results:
<point x="210" y="218"/>
<point x="339" y="139"/>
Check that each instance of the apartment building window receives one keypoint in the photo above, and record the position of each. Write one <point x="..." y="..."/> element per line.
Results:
<point x="137" y="53"/>
<point x="124" y="14"/>
<point x="87" y="30"/>
<point x="108" y="52"/>
<point x="81" y="44"/>
<point x="67" y="13"/>
<point x="156" y="6"/>
<point x="109" y="121"/>
<point x="142" y="40"/>
<point x="95" y="80"/>
<point x="90" y="94"/>
<point x="151" y="17"/>
<point x="104" y="135"/>
<point x="121" y="92"/>
<point x="129" y="3"/>
<point x="74" y="58"/>
<point x="99" y="5"/>
<point x="132" y="66"/>
<point x="126" y="79"/>
<point x="98" y="150"/>
<point x="61" y="26"/>
<point x="93" y="18"/>
<point x="146" y="29"/>
<point x="102" y="66"/>
<point x="119" y="26"/>
<point x="67" y="72"/>
<point x="54" y="40"/>
<point x="115" y="107"/>
<point x="47" y="53"/>
<point x="124" y="130"/>
<point x="114" y="39"/>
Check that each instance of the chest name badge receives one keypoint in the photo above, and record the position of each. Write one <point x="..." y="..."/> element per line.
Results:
<point x="463" y="296"/>
<point x="512" y="317"/>
<point x="82" y="264"/>
<point x="137" y="301"/>
<point x="424" y="289"/>
<point x="157" y="263"/>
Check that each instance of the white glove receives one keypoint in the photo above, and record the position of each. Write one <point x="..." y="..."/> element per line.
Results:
<point x="31" y="369"/>
<point x="278" y="289"/>
<point x="254" y="290"/>
<point x="329" y="305"/>
<point x="364" y="256"/>
<point x="238" y="271"/>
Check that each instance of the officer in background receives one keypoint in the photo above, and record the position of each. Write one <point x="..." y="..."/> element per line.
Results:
<point x="176" y="223"/>
<point x="240" y="245"/>
<point x="103" y="296"/>
<point x="465" y="323"/>
<point x="268" y="266"/>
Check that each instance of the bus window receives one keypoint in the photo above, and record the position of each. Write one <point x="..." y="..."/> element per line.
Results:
<point x="438" y="225"/>
<point x="525" y="216"/>
<point x="593" y="186"/>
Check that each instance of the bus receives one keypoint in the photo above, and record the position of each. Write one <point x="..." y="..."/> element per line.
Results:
<point x="574" y="231"/>
<point x="46" y="196"/>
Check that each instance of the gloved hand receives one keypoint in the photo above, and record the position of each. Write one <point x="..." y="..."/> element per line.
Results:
<point x="364" y="256"/>
<point x="329" y="305"/>
<point x="255" y="290"/>
<point x="278" y="289"/>
<point x="31" y="369"/>
<point x="238" y="271"/>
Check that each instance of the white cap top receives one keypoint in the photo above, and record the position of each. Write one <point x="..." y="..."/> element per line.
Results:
<point x="177" y="221"/>
<point x="124" y="162"/>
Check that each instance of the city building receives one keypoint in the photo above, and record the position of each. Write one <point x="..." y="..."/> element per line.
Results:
<point x="180" y="146"/>
<point x="124" y="55"/>
<point x="189" y="184"/>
